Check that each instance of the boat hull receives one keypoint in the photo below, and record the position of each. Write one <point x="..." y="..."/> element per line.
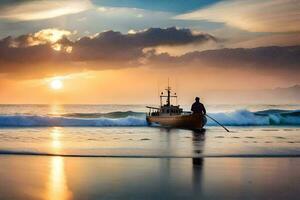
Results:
<point x="179" y="121"/>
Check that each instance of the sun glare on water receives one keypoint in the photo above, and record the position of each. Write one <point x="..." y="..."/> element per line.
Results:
<point x="56" y="84"/>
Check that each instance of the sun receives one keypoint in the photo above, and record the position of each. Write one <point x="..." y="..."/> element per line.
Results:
<point x="56" y="84"/>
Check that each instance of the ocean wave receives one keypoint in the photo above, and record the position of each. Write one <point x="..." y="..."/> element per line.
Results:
<point x="259" y="118"/>
<point x="117" y="114"/>
<point x="50" y="121"/>
<point x="130" y="118"/>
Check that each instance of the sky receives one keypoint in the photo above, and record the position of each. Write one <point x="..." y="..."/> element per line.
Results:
<point x="124" y="51"/>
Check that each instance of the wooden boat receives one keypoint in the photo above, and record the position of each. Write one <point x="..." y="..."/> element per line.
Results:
<point x="168" y="115"/>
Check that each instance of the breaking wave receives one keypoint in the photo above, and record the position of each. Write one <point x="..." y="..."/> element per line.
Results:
<point x="50" y="121"/>
<point x="259" y="118"/>
<point x="130" y="118"/>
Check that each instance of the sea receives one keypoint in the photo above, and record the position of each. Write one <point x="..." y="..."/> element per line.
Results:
<point x="122" y="130"/>
<point x="110" y="152"/>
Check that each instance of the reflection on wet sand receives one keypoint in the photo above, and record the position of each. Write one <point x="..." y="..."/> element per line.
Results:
<point x="198" y="141"/>
<point x="46" y="177"/>
<point x="198" y="145"/>
<point x="197" y="165"/>
<point x="57" y="187"/>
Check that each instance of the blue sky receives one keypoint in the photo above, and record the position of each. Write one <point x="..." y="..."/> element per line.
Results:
<point x="177" y="6"/>
<point x="244" y="23"/>
<point x="99" y="15"/>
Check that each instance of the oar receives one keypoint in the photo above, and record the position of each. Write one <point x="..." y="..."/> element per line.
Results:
<point x="217" y="122"/>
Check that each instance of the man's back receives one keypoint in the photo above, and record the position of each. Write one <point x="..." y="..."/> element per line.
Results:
<point x="198" y="107"/>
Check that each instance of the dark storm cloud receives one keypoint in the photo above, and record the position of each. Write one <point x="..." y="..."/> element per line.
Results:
<point x="261" y="58"/>
<point x="31" y="55"/>
<point x="104" y="48"/>
<point x="115" y="45"/>
<point x="21" y="50"/>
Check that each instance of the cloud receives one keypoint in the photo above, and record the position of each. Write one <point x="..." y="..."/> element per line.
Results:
<point x="50" y="49"/>
<point x="50" y="52"/>
<point x="285" y="39"/>
<point x="50" y="36"/>
<point x="271" y="59"/>
<point x="115" y="45"/>
<point x="252" y="15"/>
<point x="183" y="49"/>
<point x="38" y="10"/>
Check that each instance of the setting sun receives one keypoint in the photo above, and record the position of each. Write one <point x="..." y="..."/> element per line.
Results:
<point x="56" y="84"/>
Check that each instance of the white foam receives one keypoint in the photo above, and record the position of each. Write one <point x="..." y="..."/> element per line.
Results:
<point x="30" y="120"/>
<point x="247" y="118"/>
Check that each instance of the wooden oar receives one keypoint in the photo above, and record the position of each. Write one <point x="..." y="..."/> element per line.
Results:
<point x="217" y="122"/>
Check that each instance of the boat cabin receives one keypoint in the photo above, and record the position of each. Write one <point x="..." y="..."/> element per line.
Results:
<point x="167" y="108"/>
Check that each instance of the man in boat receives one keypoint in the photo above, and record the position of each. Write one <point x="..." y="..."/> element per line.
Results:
<point x="198" y="108"/>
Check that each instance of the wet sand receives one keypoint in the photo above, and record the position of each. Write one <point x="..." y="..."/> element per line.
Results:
<point x="54" y="177"/>
<point x="149" y="163"/>
<point x="151" y="142"/>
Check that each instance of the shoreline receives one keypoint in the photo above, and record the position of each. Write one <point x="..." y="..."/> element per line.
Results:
<point x="8" y="153"/>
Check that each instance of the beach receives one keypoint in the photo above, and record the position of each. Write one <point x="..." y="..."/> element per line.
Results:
<point x="79" y="152"/>
<point x="39" y="177"/>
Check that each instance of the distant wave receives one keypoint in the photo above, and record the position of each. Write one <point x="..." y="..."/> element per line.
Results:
<point x="130" y="118"/>
<point x="117" y="114"/>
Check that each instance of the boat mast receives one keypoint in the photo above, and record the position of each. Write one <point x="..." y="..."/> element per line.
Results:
<point x="169" y="96"/>
<point x="169" y="92"/>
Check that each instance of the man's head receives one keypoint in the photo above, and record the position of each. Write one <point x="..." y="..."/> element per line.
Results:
<point x="197" y="99"/>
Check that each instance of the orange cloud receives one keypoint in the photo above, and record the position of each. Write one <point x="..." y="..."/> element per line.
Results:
<point x="50" y="49"/>
<point x="51" y="36"/>
<point x="50" y="53"/>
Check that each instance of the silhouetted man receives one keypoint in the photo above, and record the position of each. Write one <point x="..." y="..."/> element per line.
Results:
<point x="198" y="108"/>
